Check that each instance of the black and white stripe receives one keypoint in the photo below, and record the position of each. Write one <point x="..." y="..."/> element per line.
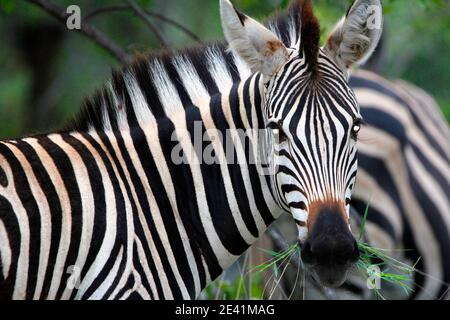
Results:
<point x="404" y="174"/>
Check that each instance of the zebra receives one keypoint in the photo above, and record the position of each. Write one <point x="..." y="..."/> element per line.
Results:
<point x="404" y="177"/>
<point x="99" y="210"/>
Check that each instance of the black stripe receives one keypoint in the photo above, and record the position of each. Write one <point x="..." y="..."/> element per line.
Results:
<point x="3" y="178"/>
<point x="197" y="58"/>
<point x="66" y="170"/>
<point x="120" y="271"/>
<point x="9" y="219"/>
<point x="98" y="192"/>
<point x="141" y="70"/>
<point x="229" y="62"/>
<point x="130" y="283"/>
<point x="242" y="17"/>
<point x="51" y="195"/>
<point x="23" y="190"/>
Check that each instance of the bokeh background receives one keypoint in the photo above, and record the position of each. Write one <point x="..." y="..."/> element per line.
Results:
<point x="46" y="70"/>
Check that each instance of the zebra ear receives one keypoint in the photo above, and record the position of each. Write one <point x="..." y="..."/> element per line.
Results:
<point x="356" y="36"/>
<point x="262" y="50"/>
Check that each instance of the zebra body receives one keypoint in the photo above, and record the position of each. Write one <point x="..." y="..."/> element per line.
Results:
<point x="101" y="211"/>
<point x="404" y="177"/>
<point x="110" y="210"/>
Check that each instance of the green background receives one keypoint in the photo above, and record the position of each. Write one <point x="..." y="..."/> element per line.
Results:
<point x="47" y="70"/>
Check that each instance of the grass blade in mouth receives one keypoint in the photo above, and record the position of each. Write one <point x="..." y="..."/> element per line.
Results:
<point x="277" y="257"/>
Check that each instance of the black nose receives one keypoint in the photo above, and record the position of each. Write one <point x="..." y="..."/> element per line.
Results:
<point x="330" y="248"/>
<point x="329" y="251"/>
<point x="330" y="241"/>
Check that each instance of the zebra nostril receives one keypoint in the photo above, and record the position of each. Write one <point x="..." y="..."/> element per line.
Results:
<point x="302" y="206"/>
<point x="298" y="205"/>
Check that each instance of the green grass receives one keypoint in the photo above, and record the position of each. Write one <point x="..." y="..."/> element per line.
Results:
<point x="373" y="262"/>
<point x="387" y="269"/>
<point x="277" y="257"/>
<point x="237" y="289"/>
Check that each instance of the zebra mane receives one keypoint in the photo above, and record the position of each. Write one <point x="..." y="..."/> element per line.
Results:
<point x="156" y="84"/>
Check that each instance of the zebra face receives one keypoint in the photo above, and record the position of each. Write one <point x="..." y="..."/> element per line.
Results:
<point x="313" y="121"/>
<point x="313" y="131"/>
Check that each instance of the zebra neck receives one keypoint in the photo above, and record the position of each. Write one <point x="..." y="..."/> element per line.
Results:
<point x="221" y="204"/>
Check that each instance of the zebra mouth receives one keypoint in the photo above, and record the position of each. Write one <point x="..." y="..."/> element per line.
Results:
<point x="330" y="276"/>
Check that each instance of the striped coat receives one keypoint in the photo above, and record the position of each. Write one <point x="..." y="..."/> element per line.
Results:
<point x="404" y="176"/>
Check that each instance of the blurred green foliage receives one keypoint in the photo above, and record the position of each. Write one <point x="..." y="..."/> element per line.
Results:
<point x="250" y="287"/>
<point x="38" y="95"/>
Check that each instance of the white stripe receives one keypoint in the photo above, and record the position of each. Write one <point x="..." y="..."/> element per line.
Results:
<point x="66" y="219"/>
<point x="129" y="213"/>
<point x="433" y="190"/>
<point x="218" y="69"/>
<point x="45" y="220"/>
<point x="5" y="250"/>
<point x="167" y="93"/>
<point x="20" y="284"/>
<point x="145" y="265"/>
<point x="106" y="284"/>
<point x="87" y="205"/>
<point x="119" y="107"/>
<point x="111" y="223"/>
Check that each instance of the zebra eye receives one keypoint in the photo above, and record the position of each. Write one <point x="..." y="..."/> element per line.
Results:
<point x="356" y="128"/>
<point x="277" y="131"/>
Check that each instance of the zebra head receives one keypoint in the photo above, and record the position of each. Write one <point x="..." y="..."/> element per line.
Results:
<point x="312" y="118"/>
